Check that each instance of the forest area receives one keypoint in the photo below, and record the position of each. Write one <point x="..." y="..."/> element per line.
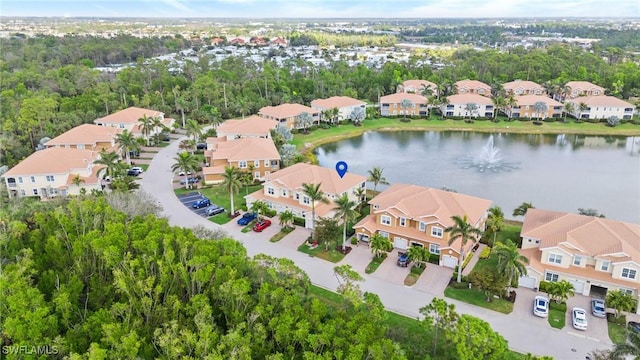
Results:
<point x="49" y="85"/>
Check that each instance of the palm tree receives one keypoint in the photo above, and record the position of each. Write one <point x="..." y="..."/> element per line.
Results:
<point x="247" y="179"/>
<point x="231" y="182"/>
<point x="510" y="261"/>
<point x="111" y="161"/>
<point x="146" y="126"/>
<point x="326" y="115"/>
<point x="259" y="207"/>
<point x="405" y="105"/>
<point x="582" y="107"/>
<point x="631" y="347"/>
<point x="375" y="176"/>
<point x="193" y="130"/>
<point x="569" y="108"/>
<point x="125" y="184"/>
<point x="561" y="290"/>
<point x="511" y="103"/>
<point x="522" y="209"/>
<point x="185" y="163"/>
<point x="499" y="103"/>
<point x="418" y="254"/>
<point x="314" y="193"/>
<point x="187" y="144"/>
<point x="461" y="229"/>
<point x="345" y="209"/>
<point x="77" y="181"/>
<point x="620" y="301"/>
<point x="380" y="244"/>
<point x="286" y="218"/>
<point x="495" y="221"/>
<point x="333" y="113"/>
<point x="127" y="143"/>
<point x="361" y="193"/>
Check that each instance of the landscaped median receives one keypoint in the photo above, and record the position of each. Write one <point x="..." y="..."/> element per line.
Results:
<point x="220" y="196"/>
<point x="375" y="263"/>
<point x="320" y="251"/>
<point x="413" y="275"/>
<point x="281" y="234"/>
<point x="557" y="314"/>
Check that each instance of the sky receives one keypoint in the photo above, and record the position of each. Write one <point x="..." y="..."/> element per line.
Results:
<point x="322" y="8"/>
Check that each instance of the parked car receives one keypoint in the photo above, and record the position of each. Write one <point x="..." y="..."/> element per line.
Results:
<point x="138" y="169"/>
<point x="403" y="260"/>
<point x="181" y="173"/>
<point x="191" y="180"/>
<point x="132" y="172"/>
<point x="134" y="154"/>
<point x="214" y="210"/>
<point x="634" y="327"/>
<point x="246" y="218"/>
<point x="201" y="146"/>
<point x="598" y="308"/>
<point x="165" y="137"/>
<point x="541" y="306"/>
<point x="579" y="318"/>
<point x="261" y="225"/>
<point x="200" y="203"/>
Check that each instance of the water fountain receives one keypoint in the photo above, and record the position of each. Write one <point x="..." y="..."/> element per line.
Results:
<point x="489" y="158"/>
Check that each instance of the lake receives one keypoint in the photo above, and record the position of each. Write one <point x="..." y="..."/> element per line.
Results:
<point x="553" y="172"/>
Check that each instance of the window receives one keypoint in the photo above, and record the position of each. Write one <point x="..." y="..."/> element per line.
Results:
<point x="49" y="178"/>
<point x="422" y="226"/>
<point x="403" y="222"/>
<point x="33" y="179"/>
<point x="306" y="200"/>
<point x="80" y="146"/>
<point x="384" y="234"/>
<point x="266" y="163"/>
<point x="297" y="196"/>
<point x="555" y="258"/>
<point x="284" y="192"/>
<point x="256" y="174"/>
<point x="434" y="249"/>
<point x="274" y="162"/>
<point x="242" y="164"/>
<point x="551" y="277"/>
<point x="20" y="179"/>
<point x="53" y="192"/>
<point x="23" y="193"/>
<point x="385" y="220"/>
<point x="121" y="126"/>
<point x="604" y="266"/>
<point x="256" y="163"/>
<point x="35" y="191"/>
<point x="577" y="260"/>
<point x="628" y="273"/>
<point x="436" y="231"/>
<point x="271" y="191"/>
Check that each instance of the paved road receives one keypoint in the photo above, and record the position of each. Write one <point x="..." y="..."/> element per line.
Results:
<point x="524" y="332"/>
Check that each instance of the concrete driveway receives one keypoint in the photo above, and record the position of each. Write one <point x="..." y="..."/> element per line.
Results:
<point x="434" y="279"/>
<point x="359" y="257"/>
<point x="597" y="328"/>
<point x="295" y="238"/>
<point x="390" y="271"/>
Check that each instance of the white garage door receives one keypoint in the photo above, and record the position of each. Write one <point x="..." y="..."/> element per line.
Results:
<point x="527" y="282"/>
<point x="400" y="243"/>
<point x="449" y="261"/>
<point x="578" y="286"/>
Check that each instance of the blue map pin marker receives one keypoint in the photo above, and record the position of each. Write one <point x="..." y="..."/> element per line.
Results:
<point x="341" y="168"/>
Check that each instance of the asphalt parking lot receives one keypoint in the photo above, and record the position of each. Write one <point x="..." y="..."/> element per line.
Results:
<point x="188" y="199"/>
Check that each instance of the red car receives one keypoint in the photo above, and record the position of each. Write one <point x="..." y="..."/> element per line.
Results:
<point x="261" y="225"/>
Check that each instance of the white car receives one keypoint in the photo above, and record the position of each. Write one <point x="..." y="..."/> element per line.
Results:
<point x="137" y="169"/>
<point x="181" y="173"/>
<point x="579" y="317"/>
<point x="541" y="306"/>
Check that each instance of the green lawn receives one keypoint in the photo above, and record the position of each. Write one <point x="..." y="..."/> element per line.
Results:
<point x="478" y="298"/>
<point x="617" y="329"/>
<point x="557" y="314"/>
<point x="332" y="255"/>
<point x="375" y="263"/>
<point x="283" y="232"/>
<point x="413" y="275"/>
<point x="219" y="196"/>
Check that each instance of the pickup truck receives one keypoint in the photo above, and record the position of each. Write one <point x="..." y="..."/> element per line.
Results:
<point x="246" y="218"/>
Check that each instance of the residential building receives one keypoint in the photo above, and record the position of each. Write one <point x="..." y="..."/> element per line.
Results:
<point x="582" y="88"/>
<point x="344" y="104"/>
<point x="594" y="254"/>
<point x="129" y="119"/>
<point x="462" y="105"/>
<point x="287" y="114"/>
<point x="256" y="155"/>
<point x="391" y="105"/>
<point x="525" y="107"/>
<point x="50" y="172"/>
<point x="523" y="87"/>
<point x="283" y="190"/>
<point x="87" y="137"/>
<point x="421" y="87"/>
<point x="601" y="107"/>
<point x="472" y="87"/>
<point x="411" y="215"/>
<point x="252" y="127"/>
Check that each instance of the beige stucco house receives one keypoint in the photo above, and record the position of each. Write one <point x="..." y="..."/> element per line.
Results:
<point x="391" y="105"/>
<point x="256" y="155"/>
<point x="253" y="126"/>
<point x="420" y="87"/>
<point x="129" y="119"/>
<point x="87" y="137"/>
<point x="523" y="87"/>
<point x="287" y="114"/>
<point x="472" y="87"/>
<point x="461" y="105"/>
<point x="525" y="108"/>
<point x="344" y="104"/>
<point x="601" y="107"/>
<point x="582" y="88"/>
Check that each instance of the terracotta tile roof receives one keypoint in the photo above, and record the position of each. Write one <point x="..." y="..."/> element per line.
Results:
<point x="85" y="134"/>
<point x="322" y="209"/>
<point x="53" y="161"/>
<point x="463" y="99"/>
<point x="87" y="180"/>
<point x="601" y="100"/>
<point x="213" y="170"/>
<point x="592" y="236"/>
<point x="294" y="176"/>
<point x="398" y="97"/>
<point x="472" y="85"/>
<point x="423" y="203"/>
<point x="253" y="125"/>
<point x="417" y="85"/>
<point x="286" y="110"/>
<point x="336" y="102"/>
<point x="583" y="86"/>
<point x="532" y="99"/>
<point x="129" y="115"/>
<point x="245" y="149"/>
<point x="522" y="84"/>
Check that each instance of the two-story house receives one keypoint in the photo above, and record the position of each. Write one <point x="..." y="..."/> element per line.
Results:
<point x="256" y="155"/>
<point x="576" y="89"/>
<point x="468" y="105"/>
<point x="594" y="254"/>
<point x="601" y="107"/>
<point x="421" y="87"/>
<point x="523" y="87"/>
<point x="283" y="190"/>
<point x="253" y="126"/>
<point x="87" y="137"/>
<point x="472" y="87"/>
<point x="526" y="107"/>
<point x="54" y="171"/>
<point x="393" y="105"/>
<point x="129" y="119"/>
<point x="344" y="104"/>
<point x="287" y="114"/>
<point x="411" y="215"/>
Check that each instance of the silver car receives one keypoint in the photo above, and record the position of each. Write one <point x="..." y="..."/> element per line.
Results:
<point x="579" y="317"/>
<point x="598" y="308"/>
<point x="541" y="306"/>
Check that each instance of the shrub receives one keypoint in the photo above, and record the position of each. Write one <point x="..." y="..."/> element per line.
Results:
<point x="485" y="253"/>
<point x="298" y="221"/>
<point x="434" y="259"/>
<point x="544" y="286"/>
<point x="270" y="213"/>
<point x="354" y="241"/>
<point x="467" y="259"/>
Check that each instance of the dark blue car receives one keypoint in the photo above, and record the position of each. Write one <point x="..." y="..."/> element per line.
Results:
<point x="403" y="260"/>
<point x="246" y="218"/>
<point x="200" y="203"/>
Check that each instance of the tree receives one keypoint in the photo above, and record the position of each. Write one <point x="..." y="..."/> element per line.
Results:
<point x="418" y="254"/>
<point x="499" y="103"/>
<point x="620" y="301"/>
<point x="327" y="231"/>
<point x="345" y="209"/>
<point x="304" y="121"/>
<point x="569" y="108"/>
<point x="314" y="193"/>
<point x="124" y="184"/>
<point x="185" y="163"/>
<point x="471" y="109"/>
<point x="286" y="218"/>
<point x="560" y="291"/>
<point x="375" y="176"/>
<point x="490" y="282"/>
<point x="405" y="105"/>
<point x="613" y="121"/>
<point x="495" y="222"/>
<point x="259" y="207"/>
<point x="590" y="212"/>
<point x="193" y="130"/>
<point x="582" y="107"/>
<point x="474" y="339"/>
<point x="231" y="182"/>
<point x="357" y="115"/>
<point x="127" y="143"/>
<point x="347" y="283"/>
<point x="442" y="317"/>
<point x="146" y="126"/>
<point x="380" y="244"/>
<point x="247" y="179"/>
<point x="510" y="262"/>
<point x="539" y="108"/>
<point x="111" y="162"/>
<point x="288" y="154"/>
<point x="522" y="209"/>
<point x="361" y="193"/>
<point x="511" y="103"/>
<point x="461" y="229"/>
<point x="629" y="348"/>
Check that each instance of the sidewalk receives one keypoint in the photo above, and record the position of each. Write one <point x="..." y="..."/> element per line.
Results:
<point x="474" y="260"/>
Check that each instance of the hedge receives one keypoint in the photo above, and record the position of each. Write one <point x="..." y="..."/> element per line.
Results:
<point x="298" y="221"/>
